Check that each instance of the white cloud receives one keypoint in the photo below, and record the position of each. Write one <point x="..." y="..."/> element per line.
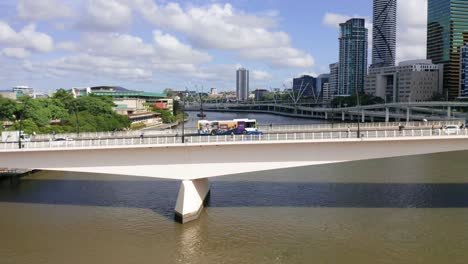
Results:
<point x="280" y="57"/>
<point x="334" y="20"/>
<point x="215" y="26"/>
<point x="84" y="64"/>
<point x="42" y="9"/>
<point x="258" y="75"/>
<point x="170" y="49"/>
<point x="17" y="53"/>
<point x="123" y="56"/>
<point x="114" y="44"/>
<point x="223" y="27"/>
<point x="411" y="30"/>
<point x="106" y="15"/>
<point x="67" y="46"/>
<point x="28" y="38"/>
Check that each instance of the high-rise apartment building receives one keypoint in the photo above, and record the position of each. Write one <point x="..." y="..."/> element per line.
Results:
<point x="242" y="82"/>
<point x="384" y="33"/>
<point x="447" y="32"/>
<point x="353" y="56"/>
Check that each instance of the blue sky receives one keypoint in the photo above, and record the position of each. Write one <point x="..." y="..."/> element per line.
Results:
<point x="156" y="44"/>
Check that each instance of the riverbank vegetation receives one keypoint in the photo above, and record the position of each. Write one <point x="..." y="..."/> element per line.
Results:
<point x="62" y="113"/>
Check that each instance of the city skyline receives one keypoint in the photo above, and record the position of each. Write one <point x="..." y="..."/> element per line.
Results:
<point x="49" y="48"/>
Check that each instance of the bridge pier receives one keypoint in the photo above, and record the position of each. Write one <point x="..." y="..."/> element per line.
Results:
<point x="363" y="117"/>
<point x="408" y="113"/>
<point x="343" y="116"/>
<point x="449" y="112"/>
<point x="387" y="115"/>
<point x="193" y="196"/>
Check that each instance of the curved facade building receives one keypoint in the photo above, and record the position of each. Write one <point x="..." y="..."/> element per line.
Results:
<point x="384" y="33"/>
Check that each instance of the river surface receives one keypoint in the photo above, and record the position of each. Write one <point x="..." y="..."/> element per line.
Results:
<point x="399" y="210"/>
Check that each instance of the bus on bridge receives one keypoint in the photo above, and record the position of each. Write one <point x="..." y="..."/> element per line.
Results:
<point x="229" y="127"/>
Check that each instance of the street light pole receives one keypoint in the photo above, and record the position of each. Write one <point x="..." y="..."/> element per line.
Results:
<point x="359" y="117"/>
<point x="21" y="122"/>
<point x="77" y="121"/>
<point x="183" y="118"/>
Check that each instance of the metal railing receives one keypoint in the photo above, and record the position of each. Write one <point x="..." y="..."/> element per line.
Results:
<point x="265" y="128"/>
<point x="240" y="139"/>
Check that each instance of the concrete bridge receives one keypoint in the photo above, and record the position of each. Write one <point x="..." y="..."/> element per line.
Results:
<point x="199" y="158"/>
<point x="411" y="111"/>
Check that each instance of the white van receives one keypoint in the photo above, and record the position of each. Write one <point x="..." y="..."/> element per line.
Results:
<point x="451" y="130"/>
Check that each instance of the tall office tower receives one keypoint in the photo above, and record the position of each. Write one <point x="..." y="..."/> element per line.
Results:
<point x="464" y="72"/>
<point x="353" y="56"/>
<point x="384" y="33"/>
<point x="333" y="82"/>
<point x="447" y="32"/>
<point x="305" y="86"/>
<point x="242" y="90"/>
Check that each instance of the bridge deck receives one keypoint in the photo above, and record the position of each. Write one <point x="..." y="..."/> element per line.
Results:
<point x="334" y="136"/>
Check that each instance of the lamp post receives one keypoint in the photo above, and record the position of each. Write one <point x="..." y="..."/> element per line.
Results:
<point x="77" y="120"/>
<point x="25" y="103"/>
<point x="183" y="118"/>
<point x="358" y="121"/>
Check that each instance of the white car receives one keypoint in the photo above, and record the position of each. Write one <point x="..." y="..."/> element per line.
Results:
<point x="451" y="130"/>
<point x="60" y="142"/>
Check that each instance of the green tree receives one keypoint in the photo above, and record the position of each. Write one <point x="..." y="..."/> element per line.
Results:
<point x="65" y="97"/>
<point x="8" y="108"/>
<point x="28" y="126"/>
<point x="166" y="115"/>
<point x="169" y="92"/>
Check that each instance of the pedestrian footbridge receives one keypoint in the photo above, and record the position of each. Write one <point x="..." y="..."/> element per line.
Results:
<point x="195" y="159"/>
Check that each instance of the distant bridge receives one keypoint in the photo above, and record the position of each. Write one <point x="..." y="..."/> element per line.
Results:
<point x="411" y="111"/>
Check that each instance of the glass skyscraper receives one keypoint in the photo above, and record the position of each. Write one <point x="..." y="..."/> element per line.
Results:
<point x="464" y="72"/>
<point x="242" y="84"/>
<point x="447" y="32"/>
<point x="384" y="33"/>
<point x="353" y="56"/>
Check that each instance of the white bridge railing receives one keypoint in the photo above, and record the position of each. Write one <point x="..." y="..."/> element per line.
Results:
<point x="233" y="139"/>
<point x="263" y="127"/>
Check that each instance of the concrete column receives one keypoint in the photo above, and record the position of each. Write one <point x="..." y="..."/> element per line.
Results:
<point x="343" y="116"/>
<point x="193" y="195"/>
<point x="408" y="113"/>
<point x="372" y="119"/>
<point x="449" y="111"/>
<point x="387" y="115"/>
<point x="326" y="115"/>
<point x="363" y="115"/>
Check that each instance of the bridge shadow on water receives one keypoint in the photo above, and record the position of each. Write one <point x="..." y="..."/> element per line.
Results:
<point x="160" y="196"/>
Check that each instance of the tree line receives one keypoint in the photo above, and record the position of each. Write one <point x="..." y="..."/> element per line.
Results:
<point x="62" y="113"/>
